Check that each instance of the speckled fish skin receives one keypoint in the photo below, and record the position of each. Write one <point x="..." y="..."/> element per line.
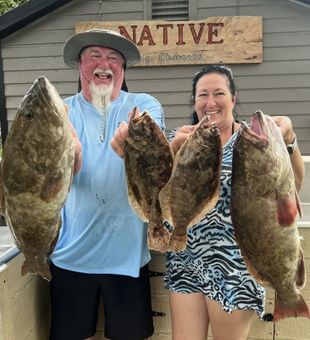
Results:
<point x="148" y="163"/>
<point x="264" y="211"/>
<point x="36" y="172"/>
<point x="193" y="188"/>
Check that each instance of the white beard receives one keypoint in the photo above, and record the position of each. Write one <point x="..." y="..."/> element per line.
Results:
<point x="101" y="96"/>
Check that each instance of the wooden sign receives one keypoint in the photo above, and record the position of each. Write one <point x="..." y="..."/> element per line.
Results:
<point x="236" y="39"/>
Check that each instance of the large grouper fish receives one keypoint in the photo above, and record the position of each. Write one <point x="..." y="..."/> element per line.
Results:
<point x="148" y="161"/>
<point x="36" y="173"/>
<point x="264" y="210"/>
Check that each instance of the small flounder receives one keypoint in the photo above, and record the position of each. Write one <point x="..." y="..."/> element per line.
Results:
<point x="193" y="188"/>
<point x="148" y="163"/>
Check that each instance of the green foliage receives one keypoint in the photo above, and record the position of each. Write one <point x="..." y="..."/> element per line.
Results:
<point x="7" y="5"/>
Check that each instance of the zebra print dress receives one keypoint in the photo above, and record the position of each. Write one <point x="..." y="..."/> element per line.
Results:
<point x="212" y="263"/>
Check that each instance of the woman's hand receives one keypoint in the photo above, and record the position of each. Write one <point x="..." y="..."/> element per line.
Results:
<point x="180" y="136"/>
<point x="286" y="127"/>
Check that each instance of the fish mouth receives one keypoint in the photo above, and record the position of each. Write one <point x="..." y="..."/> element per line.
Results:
<point x="256" y="132"/>
<point x="49" y="98"/>
<point x="140" y="121"/>
<point x="205" y="122"/>
<point x="136" y="116"/>
<point x="258" y="123"/>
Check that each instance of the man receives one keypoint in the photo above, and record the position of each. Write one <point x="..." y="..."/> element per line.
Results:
<point x="101" y="253"/>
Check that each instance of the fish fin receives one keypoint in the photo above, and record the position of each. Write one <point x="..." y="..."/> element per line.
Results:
<point x="158" y="233"/>
<point x="164" y="200"/>
<point x="2" y="201"/>
<point x="246" y="258"/>
<point x="135" y="204"/>
<point x="257" y="276"/>
<point x="37" y="267"/>
<point x="287" y="209"/>
<point x="51" y="187"/>
<point x="9" y="223"/>
<point x="297" y="308"/>
<point x="298" y="202"/>
<point x="300" y="278"/>
<point x="71" y="177"/>
<point x="53" y="243"/>
<point x="206" y="208"/>
<point x="177" y="242"/>
<point x="158" y="237"/>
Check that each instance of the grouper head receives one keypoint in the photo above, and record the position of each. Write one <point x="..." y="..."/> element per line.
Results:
<point x="40" y="126"/>
<point x="261" y="148"/>
<point x="41" y="114"/>
<point x="262" y="134"/>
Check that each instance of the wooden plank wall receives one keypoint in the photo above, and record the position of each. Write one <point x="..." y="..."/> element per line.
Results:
<point x="280" y="85"/>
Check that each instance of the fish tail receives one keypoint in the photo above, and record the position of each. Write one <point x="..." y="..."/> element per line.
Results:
<point x="178" y="241"/>
<point x="39" y="267"/>
<point x="158" y="237"/>
<point x="298" y="308"/>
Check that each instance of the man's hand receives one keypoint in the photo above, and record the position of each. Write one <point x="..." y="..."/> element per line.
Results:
<point x="118" y="140"/>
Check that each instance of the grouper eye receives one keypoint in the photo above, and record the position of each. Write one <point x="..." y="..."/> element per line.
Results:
<point x="28" y="115"/>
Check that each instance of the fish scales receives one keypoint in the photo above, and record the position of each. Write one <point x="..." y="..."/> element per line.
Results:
<point x="264" y="210"/>
<point x="193" y="188"/>
<point x="148" y="162"/>
<point x="36" y="172"/>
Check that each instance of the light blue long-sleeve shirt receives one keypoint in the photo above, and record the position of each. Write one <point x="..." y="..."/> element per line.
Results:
<point x="100" y="232"/>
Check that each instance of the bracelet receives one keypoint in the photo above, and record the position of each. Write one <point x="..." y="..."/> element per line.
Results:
<point x="292" y="146"/>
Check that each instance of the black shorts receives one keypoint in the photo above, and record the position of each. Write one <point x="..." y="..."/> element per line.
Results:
<point x="75" y="300"/>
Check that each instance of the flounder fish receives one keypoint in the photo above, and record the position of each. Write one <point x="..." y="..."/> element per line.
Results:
<point x="264" y="211"/>
<point x="194" y="186"/>
<point x="148" y="162"/>
<point x="36" y="172"/>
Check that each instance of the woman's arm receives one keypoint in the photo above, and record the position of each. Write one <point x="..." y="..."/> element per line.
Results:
<point x="289" y="136"/>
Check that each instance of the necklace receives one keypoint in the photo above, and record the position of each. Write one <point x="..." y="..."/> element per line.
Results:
<point x="103" y="121"/>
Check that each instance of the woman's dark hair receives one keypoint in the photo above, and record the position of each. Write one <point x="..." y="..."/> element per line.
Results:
<point x="212" y="68"/>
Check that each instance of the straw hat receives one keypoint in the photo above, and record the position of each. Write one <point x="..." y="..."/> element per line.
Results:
<point x="99" y="37"/>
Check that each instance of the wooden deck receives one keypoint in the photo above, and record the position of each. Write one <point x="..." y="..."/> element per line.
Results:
<point x="288" y="329"/>
<point x="24" y="305"/>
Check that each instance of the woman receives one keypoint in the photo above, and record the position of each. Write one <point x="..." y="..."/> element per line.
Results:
<point x="208" y="281"/>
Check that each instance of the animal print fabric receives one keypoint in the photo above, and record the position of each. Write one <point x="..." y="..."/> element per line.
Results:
<point x="212" y="262"/>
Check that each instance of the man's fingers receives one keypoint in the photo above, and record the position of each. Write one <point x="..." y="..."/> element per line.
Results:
<point x="118" y="140"/>
<point x="117" y="148"/>
<point x="122" y="131"/>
